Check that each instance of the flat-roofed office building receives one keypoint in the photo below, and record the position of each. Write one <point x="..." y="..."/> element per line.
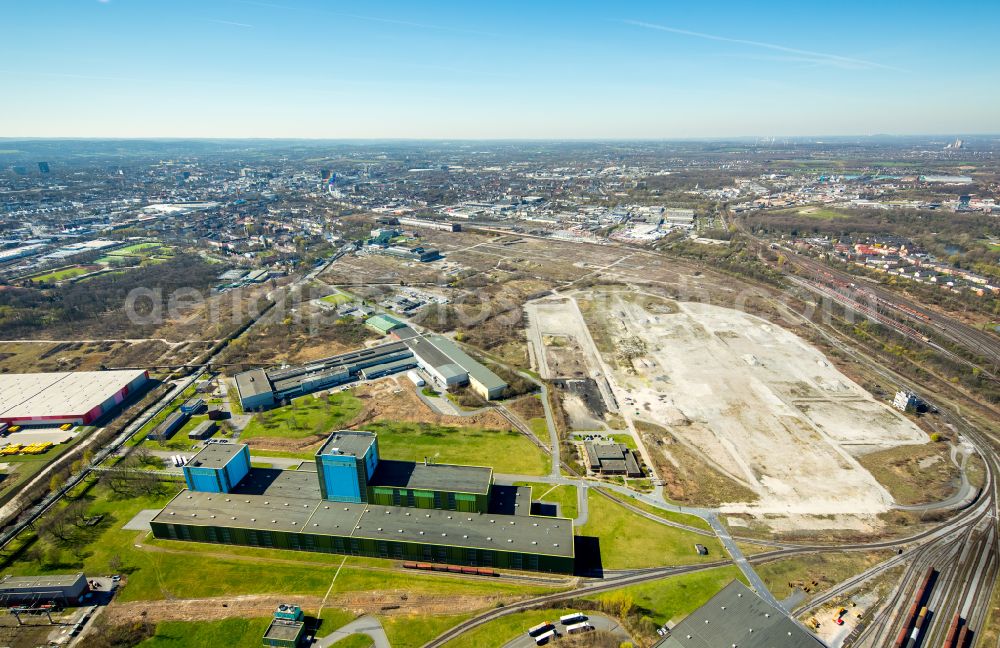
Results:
<point x="359" y="504"/>
<point x="217" y="468"/>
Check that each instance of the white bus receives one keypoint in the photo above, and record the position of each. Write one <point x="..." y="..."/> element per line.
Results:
<point x="577" y="628"/>
<point x="540" y="628"/>
<point x="543" y="639"/>
<point x="570" y="619"/>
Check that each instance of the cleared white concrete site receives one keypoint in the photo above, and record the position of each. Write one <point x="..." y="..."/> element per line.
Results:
<point x="757" y="402"/>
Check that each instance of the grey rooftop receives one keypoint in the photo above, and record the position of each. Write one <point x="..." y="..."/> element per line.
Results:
<point x="435" y="477"/>
<point x="352" y="443"/>
<point x="216" y="455"/>
<point x="275" y="512"/>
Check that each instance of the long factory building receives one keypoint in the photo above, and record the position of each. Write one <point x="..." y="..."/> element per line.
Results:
<point x="77" y="397"/>
<point x="351" y="501"/>
<point x="440" y="358"/>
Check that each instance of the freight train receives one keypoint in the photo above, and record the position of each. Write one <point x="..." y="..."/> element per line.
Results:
<point x="911" y="633"/>
<point x="452" y="569"/>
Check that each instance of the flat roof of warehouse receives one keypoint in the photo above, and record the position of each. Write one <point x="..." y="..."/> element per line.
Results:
<point x="736" y="616"/>
<point x="341" y="359"/>
<point x="352" y="443"/>
<point x="433" y="356"/>
<point x="436" y="477"/>
<point x="52" y="580"/>
<point x="272" y="512"/>
<point x="215" y="455"/>
<point x="60" y="393"/>
<point x="252" y="383"/>
<point x="477" y="371"/>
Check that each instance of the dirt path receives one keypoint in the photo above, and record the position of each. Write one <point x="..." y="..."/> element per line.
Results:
<point x="386" y="602"/>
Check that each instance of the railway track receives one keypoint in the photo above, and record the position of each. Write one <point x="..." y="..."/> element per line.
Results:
<point x="591" y="587"/>
<point x="978" y="342"/>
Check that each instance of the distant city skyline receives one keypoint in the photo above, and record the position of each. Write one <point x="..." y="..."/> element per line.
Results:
<point x="513" y="70"/>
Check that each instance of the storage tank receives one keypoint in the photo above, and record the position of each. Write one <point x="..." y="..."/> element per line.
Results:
<point x="415" y="377"/>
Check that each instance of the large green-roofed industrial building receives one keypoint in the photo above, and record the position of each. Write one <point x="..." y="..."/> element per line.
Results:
<point x="358" y="504"/>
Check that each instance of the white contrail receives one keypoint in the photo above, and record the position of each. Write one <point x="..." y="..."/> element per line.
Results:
<point x="818" y="57"/>
<point x="230" y="23"/>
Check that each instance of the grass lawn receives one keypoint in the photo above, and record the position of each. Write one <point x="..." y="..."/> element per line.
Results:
<point x="626" y="439"/>
<point x="674" y="597"/>
<point x="629" y="541"/>
<point x="673" y="516"/>
<point x="823" y="213"/>
<point x="502" y="630"/>
<point x="133" y="249"/>
<point x="61" y="274"/>
<point x="208" y="634"/>
<point x="361" y="578"/>
<point x="413" y="631"/>
<point x="539" y="427"/>
<point x="337" y="298"/>
<point x="564" y="496"/>
<point x="332" y="619"/>
<point x="507" y="451"/>
<point x="355" y="641"/>
<point x="305" y="416"/>
<point x="157" y="569"/>
<point x="103" y="274"/>
<point x="158" y="574"/>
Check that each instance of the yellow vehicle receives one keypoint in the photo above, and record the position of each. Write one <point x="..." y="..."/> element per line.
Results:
<point x="14" y="428"/>
<point x="66" y="426"/>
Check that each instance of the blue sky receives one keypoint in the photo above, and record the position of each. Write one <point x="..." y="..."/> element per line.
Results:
<point x="305" y="68"/>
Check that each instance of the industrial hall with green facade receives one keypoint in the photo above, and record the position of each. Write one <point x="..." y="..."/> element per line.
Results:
<point x="351" y="501"/>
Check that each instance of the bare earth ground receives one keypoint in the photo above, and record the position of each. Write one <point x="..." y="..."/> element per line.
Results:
<point x="765" y="408"/>
<point x="384" y="602"/>
<point x="33" y="356"/>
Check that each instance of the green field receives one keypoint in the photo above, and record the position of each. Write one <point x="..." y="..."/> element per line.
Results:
<point x="112" y="260"/>
<point x="207" y="634"/>
<point x="134" y="250"/>
<point x="630" y="541"/>
<point x="674" y="597"/>
<point x="507" y="451"/>
<point x="305" y="416"/>
<point x="355" y="641"/>
<point x="337" y="298"/>
<point x="626" y="439"/>
<point x="161" y="569"/>
<point x="673" y="516"/>
<point x="564" y="496"/>
<point x="61" y="274"/>
<point x="502" y="630"/>
<point x="823" y="213"/>
<point x="332" y="619"/>
<point x="102" y="274"/>
<point x="413" y="631"/>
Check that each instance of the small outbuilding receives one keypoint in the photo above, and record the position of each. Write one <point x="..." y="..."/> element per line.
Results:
<point x="66" y="589"/>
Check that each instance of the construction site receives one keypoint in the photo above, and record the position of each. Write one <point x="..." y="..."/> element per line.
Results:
<point x="755" y="403"/>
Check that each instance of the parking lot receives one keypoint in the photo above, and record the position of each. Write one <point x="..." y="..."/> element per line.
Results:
<point x="599" y="621"/>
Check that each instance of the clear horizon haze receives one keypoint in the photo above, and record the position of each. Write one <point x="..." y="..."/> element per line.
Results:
<point x="513" y="70"/>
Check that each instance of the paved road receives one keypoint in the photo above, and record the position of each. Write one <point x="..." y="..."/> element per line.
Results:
<point x="366" y="625"/>
<point x="658" y="501"/>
